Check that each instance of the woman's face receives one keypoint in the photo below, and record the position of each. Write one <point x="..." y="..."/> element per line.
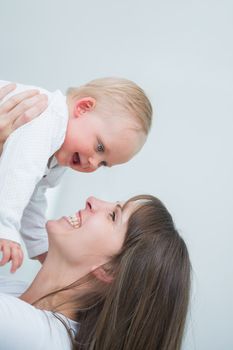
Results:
<point x="92" y="235"/>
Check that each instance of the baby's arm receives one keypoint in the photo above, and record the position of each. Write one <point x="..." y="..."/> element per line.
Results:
<point x="33" y="229"/>
<point x="33" y="223"/>
<point x="11" y="251"/>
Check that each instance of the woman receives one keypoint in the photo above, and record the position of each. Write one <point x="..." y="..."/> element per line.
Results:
<point x="117" y="276"/>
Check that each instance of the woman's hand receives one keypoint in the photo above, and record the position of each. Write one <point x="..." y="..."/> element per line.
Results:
<point x="19" y="109"/>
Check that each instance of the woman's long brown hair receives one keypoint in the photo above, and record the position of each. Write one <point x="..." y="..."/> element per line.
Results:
<point x="145" y="306"/>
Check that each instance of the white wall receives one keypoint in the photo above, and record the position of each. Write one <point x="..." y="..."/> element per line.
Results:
<point x="181" y="53"/>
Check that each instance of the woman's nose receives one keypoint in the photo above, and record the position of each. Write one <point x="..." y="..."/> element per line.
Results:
<point x="97" y="204"/>
<point x="92" y="203"/>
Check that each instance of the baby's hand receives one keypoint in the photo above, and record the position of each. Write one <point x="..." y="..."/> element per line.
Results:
<point x="11" y="251"/>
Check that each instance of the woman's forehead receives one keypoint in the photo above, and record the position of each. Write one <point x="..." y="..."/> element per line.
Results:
<point x="128" y="207"/>
<point x="132" y="203"/>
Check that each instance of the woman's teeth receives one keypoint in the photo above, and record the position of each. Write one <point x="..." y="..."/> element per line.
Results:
<point x="74" y="221"/>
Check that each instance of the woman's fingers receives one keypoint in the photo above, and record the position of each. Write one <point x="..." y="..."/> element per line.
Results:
<point x="13" y="101"/>
<point x="6" y="90"/>
<point x="19" y="109"/>
<point x="28" y="110"/>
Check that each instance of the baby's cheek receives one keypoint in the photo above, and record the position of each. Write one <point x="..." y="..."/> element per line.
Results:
<point x="70" y="142"/>
<point x="71" y="137"/>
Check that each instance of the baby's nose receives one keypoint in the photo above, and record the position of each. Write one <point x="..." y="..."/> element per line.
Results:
<point x="94" y="164"/>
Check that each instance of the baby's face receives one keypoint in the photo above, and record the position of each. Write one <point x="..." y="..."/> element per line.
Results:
<point x="92" y="141"/>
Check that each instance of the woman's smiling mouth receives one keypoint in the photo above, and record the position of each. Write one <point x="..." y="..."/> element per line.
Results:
<point x="74" y="220"/>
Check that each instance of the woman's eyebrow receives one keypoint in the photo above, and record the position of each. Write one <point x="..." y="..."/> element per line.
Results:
<point x="118" y="208"/>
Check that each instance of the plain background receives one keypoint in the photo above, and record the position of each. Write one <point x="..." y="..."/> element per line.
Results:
<point x="180" y="52"/>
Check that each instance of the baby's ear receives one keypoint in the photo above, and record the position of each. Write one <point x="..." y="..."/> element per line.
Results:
<point x="83" y="105"/>
<point x="102" y="275"/>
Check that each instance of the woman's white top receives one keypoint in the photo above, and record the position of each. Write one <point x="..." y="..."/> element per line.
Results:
<point x="24" y="327"/>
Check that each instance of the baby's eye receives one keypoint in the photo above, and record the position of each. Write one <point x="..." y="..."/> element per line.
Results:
<point x="100" y="147"/>
<point x="113" y="215"/>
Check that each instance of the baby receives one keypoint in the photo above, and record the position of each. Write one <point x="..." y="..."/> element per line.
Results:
<point x="102" y="123"/>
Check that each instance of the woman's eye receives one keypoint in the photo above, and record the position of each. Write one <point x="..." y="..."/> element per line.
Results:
<point x="100" y="147"/>
<point x="113" y="215"/>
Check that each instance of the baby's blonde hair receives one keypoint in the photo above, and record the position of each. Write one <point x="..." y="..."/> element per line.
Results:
<point x="125" y="93"/>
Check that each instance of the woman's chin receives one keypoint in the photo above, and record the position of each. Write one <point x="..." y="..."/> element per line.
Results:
<point x="61" y="225"/>
<point x="48" y="225"/>
<point x="53" y="226"/>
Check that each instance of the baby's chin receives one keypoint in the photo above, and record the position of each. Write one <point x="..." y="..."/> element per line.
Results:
<point x="60" y="157"/>
<point x="82" y="170"/>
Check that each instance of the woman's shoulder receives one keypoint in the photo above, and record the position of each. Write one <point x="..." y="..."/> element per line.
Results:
<point x="22" y="326"/>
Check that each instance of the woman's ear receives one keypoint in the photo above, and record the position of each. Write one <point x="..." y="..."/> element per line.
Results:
<point x="83" y="105"/>
<point x="102" y="275"/>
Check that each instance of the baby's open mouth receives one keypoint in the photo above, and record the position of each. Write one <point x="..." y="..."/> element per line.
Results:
<point x="76" y="159"/>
